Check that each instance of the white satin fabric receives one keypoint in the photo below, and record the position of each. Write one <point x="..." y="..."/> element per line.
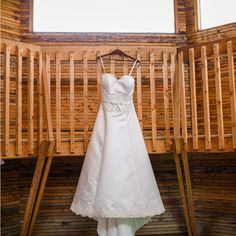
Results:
<point x="117" y="186"/>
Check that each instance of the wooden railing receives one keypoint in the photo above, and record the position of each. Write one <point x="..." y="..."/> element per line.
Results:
<point x="190" y="94"/>
<point x="208" y="101"/>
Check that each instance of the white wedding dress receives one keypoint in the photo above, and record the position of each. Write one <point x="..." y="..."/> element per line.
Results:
<point x="117" y="186"/>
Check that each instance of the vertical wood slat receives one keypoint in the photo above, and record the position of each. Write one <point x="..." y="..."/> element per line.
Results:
<point x="125" y="67"/>
<point x="232" y="90"/>
<point x="72" y="104"/>
<point x="220" y="122"/>
<point x="19" y="103"/>
<point x="99" y="73"/>
<point x="31" y="102"/>
<point x="139" y="91"/>
<point x="206" y="98"/>
<point x="112" y="66"/>
<point x="58" y="102"/>
<point x="46" y="93"/>
<point x="182" y="96"/>
<point x="40" y="98"/>
<point x="6" y="106"/>
<point x="48" y="71"/>
<point x="166" y="101"/>
<point x="85" y="75"/>
<point x="153" y="101"/>
<point x="192" y="75"/>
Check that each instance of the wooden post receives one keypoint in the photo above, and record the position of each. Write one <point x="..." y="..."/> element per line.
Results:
<point x="72" y="104"/>
<point x="99" y="72"/>
<point x="58" y="102"/>
<point x="192" y="75"/>
<point x="188" y="185"/>
<point x="85" y="59"/>
<point x="153" y="101"/>
<point x="181" y="185"/>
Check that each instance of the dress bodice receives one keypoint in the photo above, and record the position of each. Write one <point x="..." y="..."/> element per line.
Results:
<point x="117" y="94"/>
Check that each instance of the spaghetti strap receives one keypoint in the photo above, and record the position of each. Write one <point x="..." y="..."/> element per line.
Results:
<point x="103" y="67"/>
<point x="133" y="67"/>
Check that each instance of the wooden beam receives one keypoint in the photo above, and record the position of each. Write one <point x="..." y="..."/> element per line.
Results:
<point x="181" y="185"/>
<point x="183" y="112"/>
<point x="58" y="102"/>
<point x="40" y="98"/>
<point x="19" y="103"/>
<point x="139" y="91"/>
<point x="207" y="123"/>
<point x="31" y="102"/>
<point x="47" y="165"/>
<point x="220" y="122"/>
<point x="166" y="101"/>
<point x="72" y="104"/>
<point x="99" y="72"/>
<point x="85" y="81"/>
<point x="6" y="103"/>
<point x="189" y="188"/>
<point x="232" y="90"/>
<point x="34" y="187"/>
<point x="153" y="101"/>
<point x="192" y="75"/>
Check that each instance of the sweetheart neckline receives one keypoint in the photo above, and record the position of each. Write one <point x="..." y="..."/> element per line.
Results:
<point x="118" y="79"/>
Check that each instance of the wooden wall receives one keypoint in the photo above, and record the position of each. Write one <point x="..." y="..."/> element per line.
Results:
<point x="10" y="19"/>
<point x="213" y="178"/>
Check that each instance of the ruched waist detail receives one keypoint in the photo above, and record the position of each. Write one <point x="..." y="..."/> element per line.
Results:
<point x="117" y="102"/>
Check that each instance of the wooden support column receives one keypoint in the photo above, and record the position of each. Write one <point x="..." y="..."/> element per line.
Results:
<point x="181" y="185"/>
<point x="99" y="73"/>
<point x="34" y="187"/>
<point x="188" y="185"/>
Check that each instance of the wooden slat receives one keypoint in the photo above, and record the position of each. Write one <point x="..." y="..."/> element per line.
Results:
<point x="6" y="106"/>
<point x="85" y="72"/>
<point x="182" y="96"/>
<point x="176" y="144"/>
<point x="58" y="102"/>
<point x="139" y="91"/>
<point x="48" y="70"/>
<point x="99" y="73"/>
<point x="220" y="122"/>
<point x="72" y="104"/>
<point x="19" y="103"/>
<point x="34" y="186"/>
<point x="175" y="87"/>
<point x="192" y="75"/>
<point x="112" y="66"/>
<point x="166" y="101"/>
<point x="31" y="103"/>
<point x="46" y="92"/>
<point x="51" y="147"/>
<point x="153" y="101"/>
<point x="232" y="90"/>
<point x="125" y="67"/>
<point x="40" y="98"/>
<point x="206" y="98"/>
<point x="188" y="187"/>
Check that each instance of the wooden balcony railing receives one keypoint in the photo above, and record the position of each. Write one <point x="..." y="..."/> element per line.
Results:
<point x="208" y="104"/>
<point x="189" y="93"/>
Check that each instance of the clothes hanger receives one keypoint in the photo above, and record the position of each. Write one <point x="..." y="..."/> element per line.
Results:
<point x="118" y="52"/>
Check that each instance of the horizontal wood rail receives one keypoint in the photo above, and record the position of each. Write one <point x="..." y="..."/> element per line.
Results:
<point x="188" y="92"/>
